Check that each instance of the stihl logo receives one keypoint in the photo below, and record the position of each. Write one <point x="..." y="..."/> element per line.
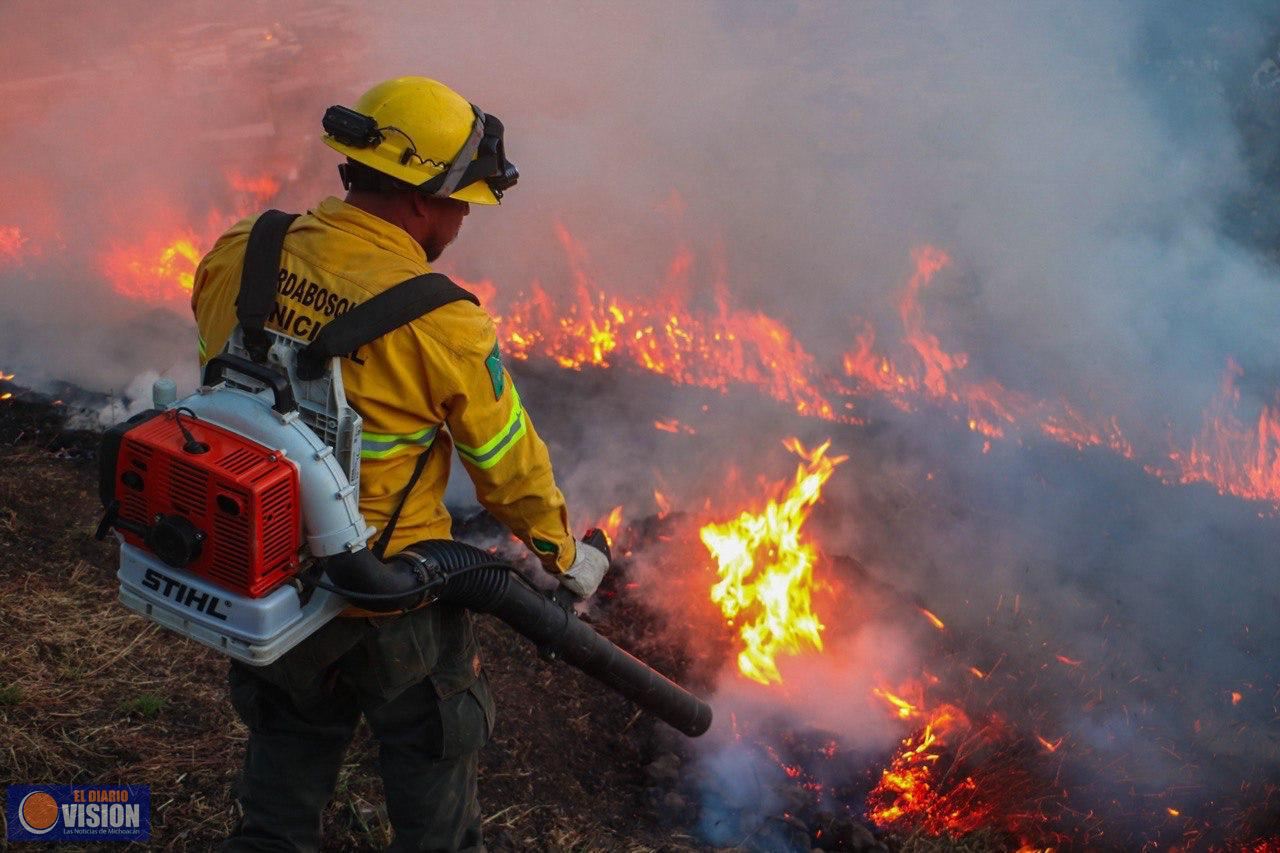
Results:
<point x="180" y="593"/>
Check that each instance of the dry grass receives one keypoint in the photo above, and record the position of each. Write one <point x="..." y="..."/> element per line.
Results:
<point x="90" y="693"/>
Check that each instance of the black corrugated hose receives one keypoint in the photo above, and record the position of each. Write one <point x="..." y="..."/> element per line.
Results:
<point x="465" y="576"/>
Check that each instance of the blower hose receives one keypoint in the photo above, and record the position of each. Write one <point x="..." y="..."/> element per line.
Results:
<point x="462" y="575"/>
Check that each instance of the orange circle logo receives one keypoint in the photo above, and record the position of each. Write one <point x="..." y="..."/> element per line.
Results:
<point x="38" y="812"/>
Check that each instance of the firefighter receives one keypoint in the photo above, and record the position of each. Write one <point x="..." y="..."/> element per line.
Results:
<point x="418" y="155"/>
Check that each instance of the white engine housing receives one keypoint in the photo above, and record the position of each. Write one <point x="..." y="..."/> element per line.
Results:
<point x="322" y="440"/>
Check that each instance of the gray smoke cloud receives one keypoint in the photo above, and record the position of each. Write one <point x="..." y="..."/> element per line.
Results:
<point x="1092" y="169"/>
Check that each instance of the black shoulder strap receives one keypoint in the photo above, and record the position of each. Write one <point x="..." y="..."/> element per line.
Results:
<point x="368" y="321"/>
<point x="380" y="547"/>
<point x="377" y="316"/>
<point x="258" y="284"/>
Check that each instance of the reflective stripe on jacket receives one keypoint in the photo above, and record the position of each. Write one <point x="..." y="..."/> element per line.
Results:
<point x="426" y="387"/>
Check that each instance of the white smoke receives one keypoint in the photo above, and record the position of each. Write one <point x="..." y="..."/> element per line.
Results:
<point x="1089" y="167"/>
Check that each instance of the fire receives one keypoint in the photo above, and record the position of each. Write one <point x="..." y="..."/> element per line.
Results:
<point x="161" y="266"/>
<point x="720" y="346"/>
<point x="766" y="569"/>
<point x="149" y="270"/>
<point x="907" y="789"/>
<point x="664" y="335"/>
<point x="260" y="187"/>
<point x="1232" y="456"/>
<point x="935" y="374"/>
<point x="937" y="362"/>
<point x="956" y="774"/>
<point x="1049" y="745"/>
<point x="904" y="709"/>
<point x="12" y="244"/>
<point x="933" y="619"/>
<point x="674" y="427"/>
<point x="611" y="524"/>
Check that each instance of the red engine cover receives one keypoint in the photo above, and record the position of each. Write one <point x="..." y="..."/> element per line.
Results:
<point x="241" y="495"/>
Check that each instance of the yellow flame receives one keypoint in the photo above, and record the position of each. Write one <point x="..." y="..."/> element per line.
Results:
<point x="902" y="707"/>
<point x="611" y="524"/>
<point x="933" y="619"/>
<point x="160" y="268"/>
<point x="766" y="570"/>
<point x="171" y="263"/>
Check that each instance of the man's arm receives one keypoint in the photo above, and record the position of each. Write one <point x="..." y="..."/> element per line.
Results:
<point x="507" y="461"/>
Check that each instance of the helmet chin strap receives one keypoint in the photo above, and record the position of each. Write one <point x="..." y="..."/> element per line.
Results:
<point x="457" y="166"/>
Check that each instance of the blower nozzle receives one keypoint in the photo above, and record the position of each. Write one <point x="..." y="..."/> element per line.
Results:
<point x="465" y="576"/>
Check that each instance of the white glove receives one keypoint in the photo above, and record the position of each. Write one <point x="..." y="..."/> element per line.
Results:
<point x="588" y="569"/>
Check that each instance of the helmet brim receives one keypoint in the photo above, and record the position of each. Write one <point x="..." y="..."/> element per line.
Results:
<point x="476" y="193"/>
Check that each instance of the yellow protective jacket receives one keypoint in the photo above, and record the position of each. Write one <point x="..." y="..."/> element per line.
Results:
<point x="432" y="385"/>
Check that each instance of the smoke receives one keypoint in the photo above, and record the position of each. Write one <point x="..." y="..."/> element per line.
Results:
<point x="1093" y="170"/>
<point x="1074" y="161"/>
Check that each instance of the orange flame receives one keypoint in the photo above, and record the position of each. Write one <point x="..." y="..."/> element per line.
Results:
<point x="933" y="619"/>
<point x="665" y="336"/>
<point x="611" y="524"/>
<point x="151" y="269"/>
<point x="1049" y="745"/>
<point x="906" y="788"/>
<point x="952" y="776"/>
<point x="904" y="709"/>
<point x="12" y="244"/>
<point x="766" y="569"/>
<point x="990" y="409"/>
<point x="1235" y="458"/>
<point x="938" y="363"/>
<point x="674" y="426"/>
<point x="260" y="187"/>
<point x="728" y="346"/>
<point x="161" y="266"/>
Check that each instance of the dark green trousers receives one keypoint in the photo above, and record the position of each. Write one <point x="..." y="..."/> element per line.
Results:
<point x="418" y="682"/>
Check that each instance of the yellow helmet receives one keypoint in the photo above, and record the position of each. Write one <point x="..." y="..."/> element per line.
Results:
<point x="425" y="134"/>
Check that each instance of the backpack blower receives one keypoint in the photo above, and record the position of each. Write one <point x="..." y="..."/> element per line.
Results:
<point x="237" y="508"/>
